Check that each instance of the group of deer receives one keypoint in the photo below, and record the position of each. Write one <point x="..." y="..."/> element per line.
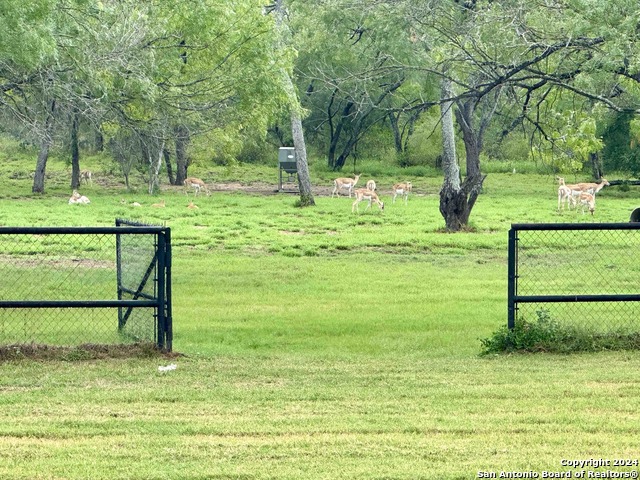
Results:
<point x="582" y="194"/>
<point x="368" y="193"/>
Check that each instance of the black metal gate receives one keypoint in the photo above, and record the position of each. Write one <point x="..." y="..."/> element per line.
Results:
<point x="71" y="285"/>
<point x="580" y="273"/>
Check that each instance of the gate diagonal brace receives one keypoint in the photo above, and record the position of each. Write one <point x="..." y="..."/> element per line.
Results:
<point x="138" y="293"/>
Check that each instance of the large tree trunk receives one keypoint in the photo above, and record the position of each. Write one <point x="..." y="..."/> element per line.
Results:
<point x="596" y="166"/>
<point x="182" y="160"/>
<point x="41" y="166"/>
<point x="98" y="141"/>
<point x="473" y="141"/>
<point x="154" y="171"/>
<point x="453" y="200"/>
<point x="43" y="155"/>
<point x="395" y="129"/>
<point x="167" y="162"/>
<point x="348" y="147"/>
<point x="304" y="180"/>
<point x="335" y="135"/>
<point x="75" y="153"/>
<point x="457" y="200"/>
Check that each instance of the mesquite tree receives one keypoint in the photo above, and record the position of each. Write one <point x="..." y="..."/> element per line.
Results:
<point x="295" y="110"/>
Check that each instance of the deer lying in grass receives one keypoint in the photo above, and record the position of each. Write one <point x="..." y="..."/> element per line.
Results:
<point x="371" y="185"/>
<point x="348" y="183"/>
<point x="160" y="204"/>
<point x="401" y="189"/>
<point x="196" y="184"/>
<point x="76" y="198"/>
<point x="366" y="194"/>
<point x="85" y="175"/>
<point x="192" y="206"/>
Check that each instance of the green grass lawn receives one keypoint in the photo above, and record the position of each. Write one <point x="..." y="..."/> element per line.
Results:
<point x="319" y="344"/>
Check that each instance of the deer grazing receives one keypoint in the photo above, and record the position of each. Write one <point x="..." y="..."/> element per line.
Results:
<point x="402" y="189"/>
<point x="587" y="200"/>
<point x="366" y="194"/>
<point x="196" y="184"/>
<point x="85" y="176"/>
<point x="348" y="183"/>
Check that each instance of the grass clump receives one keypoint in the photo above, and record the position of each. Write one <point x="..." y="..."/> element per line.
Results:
<point x="546" y="334"/>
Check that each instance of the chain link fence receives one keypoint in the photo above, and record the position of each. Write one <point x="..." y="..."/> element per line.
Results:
<point x="99" y="285"/>
<point x="583" y="275"/>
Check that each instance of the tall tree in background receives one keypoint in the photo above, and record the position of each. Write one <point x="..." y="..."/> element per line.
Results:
<point x="295" y="110"/>
<point x="159" y="69"/>
<point x="356" y="75"/>
<point x="481" y="48"/>
<point x="453" y="199"/>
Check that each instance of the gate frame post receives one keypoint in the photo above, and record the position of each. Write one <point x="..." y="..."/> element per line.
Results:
<point x="512" y="277"/>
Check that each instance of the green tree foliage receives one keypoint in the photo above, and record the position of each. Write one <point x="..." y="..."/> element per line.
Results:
<point x="176" y="73"/>
<point x="26" y="34"/>
<point x="353" y="63"/>
<point x="155" y="68"/>
<point x="621" y="151"/>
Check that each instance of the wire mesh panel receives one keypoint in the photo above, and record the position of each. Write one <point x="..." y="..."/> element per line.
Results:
<point x="579" y="274"/>
<point x="72" y="326"/>
<point x="64" y="286"/>
<point x="57" y="266"/>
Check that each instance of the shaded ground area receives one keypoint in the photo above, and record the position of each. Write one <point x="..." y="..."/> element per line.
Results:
<point x="260" y="188"/>
<point x="82" y="352"/>
<point x="263" y="188"/>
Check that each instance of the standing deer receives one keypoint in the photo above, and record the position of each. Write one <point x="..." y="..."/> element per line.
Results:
<point x="365" y="194"/>
<point x="85" y="175"/>
<point x="196" y="184"/>
<point x="348" y="183"/>
<point x="402" y="189"/>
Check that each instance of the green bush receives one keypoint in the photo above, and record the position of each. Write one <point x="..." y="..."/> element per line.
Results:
<point x="548" y="335"/>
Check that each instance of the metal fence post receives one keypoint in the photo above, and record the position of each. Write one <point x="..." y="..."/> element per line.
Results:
<point x="160" y="295"/>
<point x="119" y="275"/>
<point x="511" y="283"/>
<point x="168" y="316"/>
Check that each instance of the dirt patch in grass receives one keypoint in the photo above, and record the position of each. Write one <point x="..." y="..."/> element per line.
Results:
<point x="257" y="188"/>
<point x="85" y="351"/>
<point x="30" y="261"/>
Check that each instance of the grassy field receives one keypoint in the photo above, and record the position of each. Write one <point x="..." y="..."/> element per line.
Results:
<point x="318" y="344"/>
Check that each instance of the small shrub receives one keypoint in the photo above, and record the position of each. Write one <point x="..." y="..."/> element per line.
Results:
<point x="548" y="335"/>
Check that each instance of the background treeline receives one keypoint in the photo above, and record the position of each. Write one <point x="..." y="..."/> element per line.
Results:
<point x="155" y="86"/>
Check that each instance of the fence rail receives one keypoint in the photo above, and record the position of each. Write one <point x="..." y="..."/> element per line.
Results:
<point x="70" y="285"/>
<point x="584" y="274"/>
